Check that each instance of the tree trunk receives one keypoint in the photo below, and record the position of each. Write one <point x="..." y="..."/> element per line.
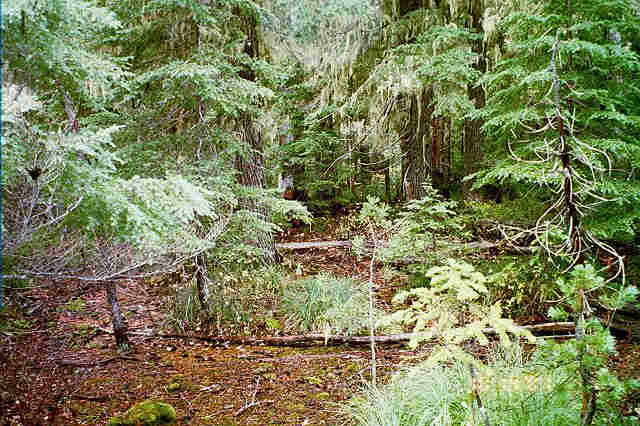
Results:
<point x="473" y="138"/>
<point x="201" y="282"/>
<point x="415" y="164"/>
<point x="119" y="326"/>
<point x="387" y="180"/>
<point x="250" y="164"/>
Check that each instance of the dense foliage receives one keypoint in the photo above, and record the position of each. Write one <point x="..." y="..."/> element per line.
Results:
<point x="143" y="137"/>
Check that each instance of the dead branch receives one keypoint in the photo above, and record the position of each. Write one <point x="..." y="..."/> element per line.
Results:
<point x="94" y="363"/>
<point x="313" y="244"/>
<point x="89" y="398"/>
<point x="309" y="357"/>
<point x="315" y="339"/>
<point x="253" y="404"/>
<point x="476" y="245"/>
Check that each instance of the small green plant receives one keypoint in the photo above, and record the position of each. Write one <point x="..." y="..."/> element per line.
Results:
<point x="235" y="299"/>
<point x="525" y="284"/>
<point x="584" y="359"/>
<point x="15" y="325"/>
<point x="326" y="303"/>
<point x="73" y="305"/>
<point x="427" y="394"/>
<point x="450" y="311"/>
<point x="419" y="225"/>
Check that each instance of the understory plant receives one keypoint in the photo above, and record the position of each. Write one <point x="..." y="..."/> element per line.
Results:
<point x="512" y="394"/>
<point x="326" y="303"/>
<point x="585" y="359"/>
<point x="232" y="299"/>
<point x="451" y="312"/>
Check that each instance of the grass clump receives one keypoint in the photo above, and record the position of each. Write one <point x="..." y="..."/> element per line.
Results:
<point x="326" y="303"/>
<point x="430" y="394"/>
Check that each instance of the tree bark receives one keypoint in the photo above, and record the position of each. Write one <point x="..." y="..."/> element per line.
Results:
<point x="415" y="164"/>
<point x="201" y="283"/>
<point x="250" y="164"/>
<point x="119" y="326"/>
<point x="473" y="137"/>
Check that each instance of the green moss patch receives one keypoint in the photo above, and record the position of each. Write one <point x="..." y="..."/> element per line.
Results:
<point x="147" y="413"/>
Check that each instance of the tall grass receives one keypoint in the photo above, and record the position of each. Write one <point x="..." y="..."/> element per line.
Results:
<point x="419" y="396"/>
<point x="326" y="303"/>
<point x="442" y="395"/>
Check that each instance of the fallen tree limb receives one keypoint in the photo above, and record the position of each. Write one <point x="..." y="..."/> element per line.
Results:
<point x="89" y="398"/>
<point x="444" y="248"/>
<point x="252" y="404"/>
<point x="313" y="244"/>
<point x="94" y="363"/>
<point x="318" y="338"/>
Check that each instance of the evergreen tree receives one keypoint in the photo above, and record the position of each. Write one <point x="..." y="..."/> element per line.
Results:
<point x="565" y="103"/>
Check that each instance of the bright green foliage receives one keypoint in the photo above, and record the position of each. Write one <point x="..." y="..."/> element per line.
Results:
<point x="597" y="65"/>
<point x="451" y="312"/>
<point x="325" y="303"/>
<point x="128" y="111"/>
<point x="588" y="354"/>
<point x="52" y="47"/>
<point x="523" y="284"/>
<point x="443" y="59"/>
<point x="431" y="216"/>
<point x="146" y="413"/>
<point x="314" y="156"/>
<point x="308" y="22"/>
<point x="236" y="300"/>
<point x="511" y="393"/>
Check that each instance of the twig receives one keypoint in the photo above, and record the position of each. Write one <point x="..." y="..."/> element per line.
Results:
<point x="476" y="392"/>
<point x="253" y="404"/>
<point x="89" y="398"/>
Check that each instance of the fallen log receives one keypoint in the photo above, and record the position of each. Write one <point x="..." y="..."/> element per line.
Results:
<point x="318" y="338"/>
<point x="444" y="248"/>
<point x="313" y="244"/>
<point x="73" y="363"/>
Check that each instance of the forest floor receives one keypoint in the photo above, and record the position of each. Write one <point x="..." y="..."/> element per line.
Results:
<point x="64" y="369"/>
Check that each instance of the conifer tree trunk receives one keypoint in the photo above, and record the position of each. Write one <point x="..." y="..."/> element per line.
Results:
<point x="414" y="165"/>
<point x="250" y="165"/>
<point x="473" y="138"/>
<point x="119" y="326"/>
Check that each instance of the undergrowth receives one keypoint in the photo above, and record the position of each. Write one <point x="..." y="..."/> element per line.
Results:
<point x="236" y="301"/>
<point x="512" y="394"/>
<point x="326" y="303"/>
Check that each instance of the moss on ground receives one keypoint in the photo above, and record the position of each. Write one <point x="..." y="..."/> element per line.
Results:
<point x="147" y="413"/>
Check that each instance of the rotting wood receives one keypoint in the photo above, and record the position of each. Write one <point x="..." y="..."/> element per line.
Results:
<point x="318" y="338"/>
<point x="311" y="357"/>
<point x="476" y="245"/>
<point x="94" y="363"/>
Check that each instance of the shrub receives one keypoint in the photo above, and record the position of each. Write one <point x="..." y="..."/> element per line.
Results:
<point x="235" y="300"/>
